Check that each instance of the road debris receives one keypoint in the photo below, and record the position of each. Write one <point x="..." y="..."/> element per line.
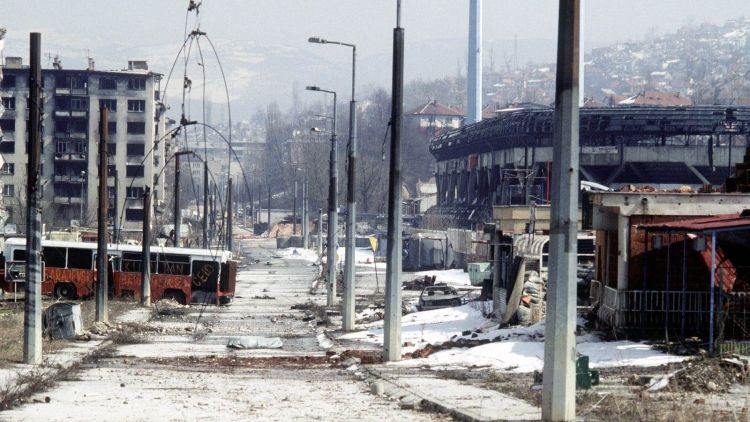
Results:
<point x="254" y="342"/>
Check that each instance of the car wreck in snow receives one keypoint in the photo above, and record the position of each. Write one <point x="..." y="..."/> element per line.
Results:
<point x="439" y="296"/>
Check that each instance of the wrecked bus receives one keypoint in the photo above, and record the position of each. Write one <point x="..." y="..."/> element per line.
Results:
<point x="69" y="271"/>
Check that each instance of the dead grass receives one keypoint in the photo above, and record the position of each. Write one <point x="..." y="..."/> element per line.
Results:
<point x="11" y="327"/>
<point x="42" y="378"/>
<point x="127" y="335"/>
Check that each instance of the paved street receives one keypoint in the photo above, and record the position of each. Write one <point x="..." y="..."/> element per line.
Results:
<point x="186" y="371"/>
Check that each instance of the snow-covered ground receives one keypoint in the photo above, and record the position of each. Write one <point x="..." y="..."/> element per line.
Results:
<point x="515" y="349"/>
<point x="297" y="253"/>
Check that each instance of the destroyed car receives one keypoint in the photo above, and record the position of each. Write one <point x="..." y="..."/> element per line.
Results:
<point x="439" y="296"/>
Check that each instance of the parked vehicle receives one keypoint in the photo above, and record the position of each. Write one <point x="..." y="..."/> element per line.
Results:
<point x="185" y="275"/>
<point x="439" y="296"/>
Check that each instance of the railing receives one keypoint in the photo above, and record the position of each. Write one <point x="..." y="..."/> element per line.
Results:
<point x="674" y="313"/>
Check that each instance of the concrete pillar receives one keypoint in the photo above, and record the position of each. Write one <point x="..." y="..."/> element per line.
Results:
<point x="623" y="248"/>
<point x="559" y="381"/>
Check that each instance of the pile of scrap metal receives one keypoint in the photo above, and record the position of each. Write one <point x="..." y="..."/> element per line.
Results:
<point x="419" y="283"/>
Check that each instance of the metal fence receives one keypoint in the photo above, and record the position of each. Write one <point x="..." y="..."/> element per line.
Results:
<point x="675" y="314"/>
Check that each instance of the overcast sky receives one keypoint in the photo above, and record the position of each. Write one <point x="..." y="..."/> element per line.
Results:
<point x="436" y="33"/>
<point x="367" y="23"/>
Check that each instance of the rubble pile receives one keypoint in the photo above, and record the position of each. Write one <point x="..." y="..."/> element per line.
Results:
<point x="712" y="375"/>
<point x="651" y="189"/>
<point x="419" y="283"/>
<point x="701" y="375"/>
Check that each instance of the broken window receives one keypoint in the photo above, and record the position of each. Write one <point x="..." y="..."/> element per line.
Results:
<point x="137" y="150"/>
<point x="81" y="259"/>
<point x="135" y="192"/>
<point x="19" y="255"/>
<point x="71" y="82"/>
<point x="109" y="104"/>
<point x="7" y="147"/>
<point x="107" y="83"/>
<point x="134" y="171"/>
<point x="8" y="168"/>
<point x="137" y="128"/>
<point x="9" y="103"/>
<point x="53" y="257"/>
<point x="111" y="150"/>
<point x="205" y="275"/>
<point x="137" y="84"/>
<point x="8" y="81"/>
<point x="8" y="125"/>
<point x="131" y="262"/>
<point x="173" y="264"/>
<point x="134" y="214"/>
<point x="79" y="104"/>
<point x="137" y="106"/>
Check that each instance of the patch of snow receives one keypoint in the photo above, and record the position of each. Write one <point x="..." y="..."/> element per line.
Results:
<point x="297" y="253"/>
<point x="422" y="328"/>
<point x="324" y="342"/>
<point x="528" y="356"/>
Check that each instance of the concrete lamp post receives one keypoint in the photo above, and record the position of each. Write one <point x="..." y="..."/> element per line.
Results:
<point x="332" y="205"/>
<point x="351" y="197"/>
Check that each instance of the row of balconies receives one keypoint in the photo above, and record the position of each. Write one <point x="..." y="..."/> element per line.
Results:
<point x="71" y="156"/>
<point x="67" y="200"/>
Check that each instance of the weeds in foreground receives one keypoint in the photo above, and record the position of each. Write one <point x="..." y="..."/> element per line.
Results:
<point x="18" y="389"/>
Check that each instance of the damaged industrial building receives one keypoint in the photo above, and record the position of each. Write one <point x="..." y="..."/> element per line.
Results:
<point x="664" y="213"/>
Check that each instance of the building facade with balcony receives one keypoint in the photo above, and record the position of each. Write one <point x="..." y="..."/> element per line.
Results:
<point x="70" y="136"/>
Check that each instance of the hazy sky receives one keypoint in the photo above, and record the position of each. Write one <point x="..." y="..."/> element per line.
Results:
<point x="367" y="23"/>
<point x="436" y="33"/>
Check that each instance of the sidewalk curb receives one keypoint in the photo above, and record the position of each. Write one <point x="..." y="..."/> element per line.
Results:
<point x="406" y="396"/>
<point x="403" y="394"/>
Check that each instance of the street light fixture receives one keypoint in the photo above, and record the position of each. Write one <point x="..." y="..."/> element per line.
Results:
<point x="332" y="205"/>
<point x="351" y="199"/>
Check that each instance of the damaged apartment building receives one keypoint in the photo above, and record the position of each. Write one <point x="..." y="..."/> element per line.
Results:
<point x="70" y="133"/>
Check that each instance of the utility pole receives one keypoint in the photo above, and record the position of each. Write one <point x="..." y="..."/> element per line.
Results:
<point x="177" y="209"/>
<point x="351" y="208"/>
<point x="294" y="210"/>
<point x="177" y="212"/>
<point x="205" y="203"/>
<point x="268" y="211"/>
<point x="392" y="326"/>
<point x="146" y="250"/>
<point x="320" y="233"/>
<point x="102" y="285"/>
<point x="228" y="229"/>
<point x="32" y="322"/>
<point x="115" y="225"/>
<point x="305" y="216"/>
<point x="558" y="391"/>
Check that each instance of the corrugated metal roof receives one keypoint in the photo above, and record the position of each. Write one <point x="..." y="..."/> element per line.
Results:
<point x="725" y="222"/>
